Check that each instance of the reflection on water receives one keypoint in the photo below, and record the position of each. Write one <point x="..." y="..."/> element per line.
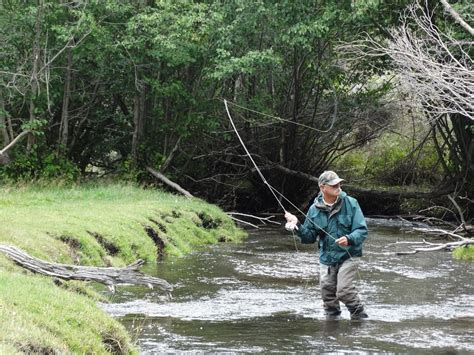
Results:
<point x="263" y="295"/>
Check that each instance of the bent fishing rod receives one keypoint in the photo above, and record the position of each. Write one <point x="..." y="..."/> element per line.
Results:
<point x="273" y="190"/>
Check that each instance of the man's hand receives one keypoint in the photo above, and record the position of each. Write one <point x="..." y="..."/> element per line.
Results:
<point x="291" y="218"/>
<point x="343" y="241"/>
<point x="291" y="222"/>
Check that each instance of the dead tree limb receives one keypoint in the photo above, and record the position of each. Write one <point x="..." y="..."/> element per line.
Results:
<point x="109" y="276"/>
<point x="245" y="222"/>
<point x="168" y="182"/>
<point x="436" y="246"/>
<point x="438" y="232"/>
<point x="369" y="193"/>
<point x="432" y="65"/>
<point x="170" y="156"/>
<point x="260" y="219"/>
<point x="3" y="153"/>
<point x="457" y="17"/>
<point x="461" y="214"/>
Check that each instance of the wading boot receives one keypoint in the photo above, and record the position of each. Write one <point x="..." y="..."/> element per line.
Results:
<point x="333" y="314"/>
<point x="357" y="312"/>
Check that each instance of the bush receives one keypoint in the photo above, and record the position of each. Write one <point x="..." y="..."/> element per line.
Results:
<point x="400" y="165"/>
<point x="390" y="160"/>
<point x="39" y="164"/>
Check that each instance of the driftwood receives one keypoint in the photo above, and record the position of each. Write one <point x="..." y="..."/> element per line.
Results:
<point x="435" y="246"/>
<point x="168" y="182"/>
<point x="109" y="276"/>
<point x="462" y="241"/>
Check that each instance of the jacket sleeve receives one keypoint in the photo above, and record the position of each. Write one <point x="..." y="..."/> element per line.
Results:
<point x="306" y="231"/>
<point x="359" y="228"/>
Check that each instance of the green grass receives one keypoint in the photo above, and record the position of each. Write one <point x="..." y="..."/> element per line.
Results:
<point x="464" y="253"/>
<point x="87" y="225"/>
<point x="37" y="316"/>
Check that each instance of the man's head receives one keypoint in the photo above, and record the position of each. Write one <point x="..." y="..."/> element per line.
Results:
<point x="329" y="177"/>
<point x="330" y="184"/>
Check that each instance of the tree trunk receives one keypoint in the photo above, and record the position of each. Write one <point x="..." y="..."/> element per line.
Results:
<point x="3" y="123"/>
<point x="78" y="128"/>
<point x="138" y="117"/>
<point x="34" y="72"/>
<point x="463" y="128"/>
<point x="64" y="127"/>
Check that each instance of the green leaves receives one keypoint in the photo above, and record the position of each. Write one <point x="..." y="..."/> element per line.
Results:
<point x="169" y="32"/>
<point x="154" y="69"/>
<point x="250" y="63"/>
<point x="35" y="126"/>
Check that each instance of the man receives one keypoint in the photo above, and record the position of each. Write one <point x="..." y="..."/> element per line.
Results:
<point x="337" y="220"/>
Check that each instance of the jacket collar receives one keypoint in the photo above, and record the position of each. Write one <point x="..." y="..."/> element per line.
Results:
<point x="319" y="203"/>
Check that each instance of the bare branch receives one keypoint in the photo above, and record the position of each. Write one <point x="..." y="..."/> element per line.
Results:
<point x="170" y="156"/>
<point x="466" y="198"/>
<point x="437" y="231"/>
<point x="433" y="66"/>
<point x="13" y="142"/>
<point x="245" y="222"/>
<point x="261" y="219"/>
<point x="457" y="17"/>
<point x="461" y="214"/>
<point x="446" y="246"/>
<point x="358" y="190"/>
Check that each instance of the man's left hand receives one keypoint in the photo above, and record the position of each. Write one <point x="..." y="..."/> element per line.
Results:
<point x="343" y="241"/>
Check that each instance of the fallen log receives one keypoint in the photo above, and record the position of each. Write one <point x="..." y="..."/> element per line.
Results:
<point x="109" y="276"/>
<point x="168" y="182"/>
<point x="363" y="192"/>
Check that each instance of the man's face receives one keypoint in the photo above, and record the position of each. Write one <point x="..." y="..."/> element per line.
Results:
<point x="331" y="190"/>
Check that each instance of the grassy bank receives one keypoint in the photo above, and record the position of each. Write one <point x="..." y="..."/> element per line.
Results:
<point x="88" y="225"/>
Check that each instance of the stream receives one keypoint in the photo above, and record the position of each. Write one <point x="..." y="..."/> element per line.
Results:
<point x="262" y="295"/>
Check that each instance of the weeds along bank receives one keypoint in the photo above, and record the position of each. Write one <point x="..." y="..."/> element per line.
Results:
<point x="92" y="225"/>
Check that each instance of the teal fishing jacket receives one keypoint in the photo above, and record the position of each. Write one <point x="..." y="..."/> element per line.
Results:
<point x="344" y="219"/>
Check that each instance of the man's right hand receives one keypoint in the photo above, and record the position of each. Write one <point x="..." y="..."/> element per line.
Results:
<point x="291" y="222"/>
<point x="291" y="218"/>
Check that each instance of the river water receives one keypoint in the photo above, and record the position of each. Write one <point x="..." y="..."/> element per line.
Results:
<point x="262" y="295"/>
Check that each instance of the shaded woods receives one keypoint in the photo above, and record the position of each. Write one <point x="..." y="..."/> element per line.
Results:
<point x="109" y="88"/>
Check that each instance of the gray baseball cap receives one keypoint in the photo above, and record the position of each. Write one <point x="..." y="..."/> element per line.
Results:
<point x="329" y="177"/>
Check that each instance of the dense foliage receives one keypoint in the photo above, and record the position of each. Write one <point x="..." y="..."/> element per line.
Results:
<point x="112" y="87"/>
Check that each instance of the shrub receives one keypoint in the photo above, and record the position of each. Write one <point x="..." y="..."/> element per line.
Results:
<point x="391" y="160"/>
<point x="39" y="164"/>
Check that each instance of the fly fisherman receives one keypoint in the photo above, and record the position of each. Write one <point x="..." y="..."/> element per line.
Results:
<point x="337" y="220"/>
